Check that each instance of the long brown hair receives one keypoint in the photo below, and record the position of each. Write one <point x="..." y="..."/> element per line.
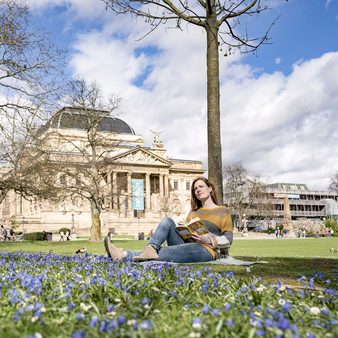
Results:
<point x="194" y="201"/>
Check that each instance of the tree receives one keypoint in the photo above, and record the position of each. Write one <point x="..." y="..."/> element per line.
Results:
<point x="334" y="183"/>
<point x="30" y="69"/>
<point x="84" y="173"/>
<point x="246" y="194"/>
<point x="210" y="15"/>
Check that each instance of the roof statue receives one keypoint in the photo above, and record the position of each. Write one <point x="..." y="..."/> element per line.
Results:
<point x="157" y="143"/>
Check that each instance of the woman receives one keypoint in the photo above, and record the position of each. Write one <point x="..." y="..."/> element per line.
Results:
<point x="204" y="248"/>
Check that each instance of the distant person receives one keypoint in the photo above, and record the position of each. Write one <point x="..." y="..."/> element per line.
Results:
<point x="3" y="232"/>
<point x="304" y="233"/>
<point x="203" y="248"/>
<point x="12" y="234"/>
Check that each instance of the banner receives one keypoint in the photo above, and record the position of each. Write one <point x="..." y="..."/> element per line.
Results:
<point x="137" y="194"/>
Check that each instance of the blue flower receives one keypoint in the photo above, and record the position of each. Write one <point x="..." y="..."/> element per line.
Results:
<point x="227" y="307"/>
<point x="229" y="323"/>
<point x="103" y="325"/>
<point x="93" y="321"/>
<point x="205" y="309"/>
<point x="269" y="323"/>
<point x="260" y="332"/>
<point x="287" y="307"/>
<point x="79" y="334"/>
<point x="121" y="320"/>
<point x="79" y="316"/>
<point x="146" y="325"/>
<point x="283" y="323"/>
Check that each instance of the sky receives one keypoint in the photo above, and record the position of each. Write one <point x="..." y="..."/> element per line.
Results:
<point x="279" y="106"/>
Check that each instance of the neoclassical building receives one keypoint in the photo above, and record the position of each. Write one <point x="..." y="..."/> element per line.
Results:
<point x="142" y="183"/>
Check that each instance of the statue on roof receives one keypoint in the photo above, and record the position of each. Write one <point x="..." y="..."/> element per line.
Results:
<point x="157" y="143"/>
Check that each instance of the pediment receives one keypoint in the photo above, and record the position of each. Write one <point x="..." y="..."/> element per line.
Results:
<point x="141" y="156"/>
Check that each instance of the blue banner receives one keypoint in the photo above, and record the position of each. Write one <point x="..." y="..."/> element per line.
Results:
<point x="137" y="194"/>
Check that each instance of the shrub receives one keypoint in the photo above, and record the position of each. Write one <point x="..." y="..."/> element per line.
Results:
<point x="64" y="230"/>
<point x="332" y="224"/>
<point x="33" y="236"/>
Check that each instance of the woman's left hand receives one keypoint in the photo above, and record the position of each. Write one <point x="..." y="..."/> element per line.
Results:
<point x="201" y="239"/>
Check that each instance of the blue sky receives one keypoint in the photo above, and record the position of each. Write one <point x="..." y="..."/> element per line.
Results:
<point x="279" y="106"/>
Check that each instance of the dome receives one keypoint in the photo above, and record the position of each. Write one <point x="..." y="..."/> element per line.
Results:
<point x="73" y="118"/>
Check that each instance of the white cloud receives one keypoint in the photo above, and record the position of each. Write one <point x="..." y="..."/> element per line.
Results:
<point x="284" y="127"/>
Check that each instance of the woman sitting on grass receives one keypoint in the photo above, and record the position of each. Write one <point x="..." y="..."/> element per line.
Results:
<point x="203" y="248"/>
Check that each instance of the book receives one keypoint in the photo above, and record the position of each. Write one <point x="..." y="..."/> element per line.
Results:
<point x="194" y="226"/>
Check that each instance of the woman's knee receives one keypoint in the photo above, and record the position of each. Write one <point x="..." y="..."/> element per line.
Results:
<point x="167" y="222"/>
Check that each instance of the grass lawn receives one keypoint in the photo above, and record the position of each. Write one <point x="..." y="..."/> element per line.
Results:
<point x="288" y="259"/>
<point x="64" y="294"/>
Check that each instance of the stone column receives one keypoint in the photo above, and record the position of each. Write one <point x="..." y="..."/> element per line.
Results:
<point x="161" y="185"/>
<point x="147" y="191"/>
<point x="166" y="185"/>
<point x="130" y="207"/>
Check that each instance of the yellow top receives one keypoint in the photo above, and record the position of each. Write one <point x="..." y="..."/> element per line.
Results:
<point x="217" y="220"/>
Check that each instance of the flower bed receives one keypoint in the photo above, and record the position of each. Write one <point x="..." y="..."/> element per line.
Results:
<point x="91" y="296"/>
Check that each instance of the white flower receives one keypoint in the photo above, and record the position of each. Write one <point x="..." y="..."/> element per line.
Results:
<point x="261" y="288"/>
<point x="194" y="335"/>
<point x="315" y="310"/>
<point x="281" y="301"/>
<point x="37" y="335"/>
<point x="85" y="307"/>
<point x="34" y="319"/>
<point x="196" y="325"/>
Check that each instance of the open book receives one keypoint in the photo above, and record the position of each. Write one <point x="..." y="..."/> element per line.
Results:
<point x="194" y="226"/>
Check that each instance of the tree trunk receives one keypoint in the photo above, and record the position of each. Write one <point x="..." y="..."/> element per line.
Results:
<point x="95" y="231"/>
<point x="213" y="98"/>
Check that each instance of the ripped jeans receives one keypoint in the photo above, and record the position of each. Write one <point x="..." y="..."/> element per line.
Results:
<point x="177" y="250"/>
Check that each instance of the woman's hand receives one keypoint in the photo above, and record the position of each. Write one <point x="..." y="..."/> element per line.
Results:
<point x="201" y="239"/>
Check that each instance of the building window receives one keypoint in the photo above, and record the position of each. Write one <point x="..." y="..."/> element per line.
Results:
<point x="187" y="185"/>
<point x="175" y="184"/>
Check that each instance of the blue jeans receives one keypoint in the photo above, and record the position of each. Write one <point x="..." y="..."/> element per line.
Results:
<point x="177" y="250"/>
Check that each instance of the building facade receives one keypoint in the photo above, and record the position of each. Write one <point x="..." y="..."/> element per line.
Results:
<point x="142" y="184"/>
<point x="303" y="202"/>
<point x="280" y="202"/>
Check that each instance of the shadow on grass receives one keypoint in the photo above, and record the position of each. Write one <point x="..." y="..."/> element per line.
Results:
<point x="288" y="270"/>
